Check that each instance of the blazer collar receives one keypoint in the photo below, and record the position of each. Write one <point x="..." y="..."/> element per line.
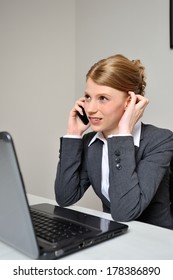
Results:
<point x="136" y="133"/>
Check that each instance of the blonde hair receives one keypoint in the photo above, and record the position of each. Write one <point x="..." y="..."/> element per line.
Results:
<point x="119" y="73"/>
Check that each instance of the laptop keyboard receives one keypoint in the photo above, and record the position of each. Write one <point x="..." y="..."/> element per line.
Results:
<point x="54" y="229"/>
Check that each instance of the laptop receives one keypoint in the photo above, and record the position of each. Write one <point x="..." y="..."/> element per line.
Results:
<point x="43" y="231"/>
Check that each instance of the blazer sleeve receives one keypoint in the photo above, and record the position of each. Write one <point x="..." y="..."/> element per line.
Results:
<point x="71" y="178"/>
<point x="133" y="184"/>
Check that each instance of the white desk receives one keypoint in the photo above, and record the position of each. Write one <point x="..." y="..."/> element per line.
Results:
<point x="142" y="241"/>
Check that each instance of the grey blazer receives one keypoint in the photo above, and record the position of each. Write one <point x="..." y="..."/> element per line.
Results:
<point x="138" y="177"/>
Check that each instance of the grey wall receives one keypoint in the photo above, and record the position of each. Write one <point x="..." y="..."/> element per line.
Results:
<point x="46" y="49"/>
<point x="137" y="29"/>
<point x="37" y="62"/>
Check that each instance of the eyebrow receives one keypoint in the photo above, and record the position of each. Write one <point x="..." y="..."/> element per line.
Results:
<point x="98" y="94"/>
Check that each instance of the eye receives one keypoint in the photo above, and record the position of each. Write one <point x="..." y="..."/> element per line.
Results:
<point x="87" y="97"/>
<point x="103" y="98"/>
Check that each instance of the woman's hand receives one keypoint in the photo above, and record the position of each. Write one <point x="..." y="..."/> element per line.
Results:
<point x="133" y="112"/>
<point x="75" y="125"/>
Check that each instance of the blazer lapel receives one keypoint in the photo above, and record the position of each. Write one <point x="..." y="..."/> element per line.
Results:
<point x="94" y="162"/>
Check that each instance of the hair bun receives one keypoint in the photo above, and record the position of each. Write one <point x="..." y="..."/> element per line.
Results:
<point x="141" y="69"/>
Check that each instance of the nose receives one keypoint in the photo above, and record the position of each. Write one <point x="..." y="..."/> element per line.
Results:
<point x="91" y="107"/>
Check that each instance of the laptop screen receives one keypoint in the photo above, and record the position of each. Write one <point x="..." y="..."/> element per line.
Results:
<point x="16" y="227"/>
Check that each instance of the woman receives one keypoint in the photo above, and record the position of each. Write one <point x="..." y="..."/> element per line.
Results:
<point x="125" y="161"/>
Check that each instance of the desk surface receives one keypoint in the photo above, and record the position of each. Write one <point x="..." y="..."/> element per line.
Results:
<point x="142" y="241"/>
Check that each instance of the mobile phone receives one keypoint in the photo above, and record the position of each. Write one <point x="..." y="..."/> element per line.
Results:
<point x="83" y="117"/>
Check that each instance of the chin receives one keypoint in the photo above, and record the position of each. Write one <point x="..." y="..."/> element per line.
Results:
<point x="96" y="129"/>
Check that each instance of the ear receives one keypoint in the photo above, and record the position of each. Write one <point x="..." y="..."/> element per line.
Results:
<point x="127" y="101"/>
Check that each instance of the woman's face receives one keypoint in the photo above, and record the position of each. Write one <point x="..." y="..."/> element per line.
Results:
<point x="104" y="107"/>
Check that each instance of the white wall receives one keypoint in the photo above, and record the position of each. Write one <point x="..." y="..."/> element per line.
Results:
<point x="46" y="49"/>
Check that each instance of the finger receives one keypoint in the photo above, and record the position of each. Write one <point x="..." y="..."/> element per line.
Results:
<point x="140" y="97"/>
<point x="79" y="104"/>
<point x="131" y="93"/>
<point x="142" y="101"/>
<point x="133" y="98"/>
<point x="82" y="98"/>
<point x="78" y="108"/>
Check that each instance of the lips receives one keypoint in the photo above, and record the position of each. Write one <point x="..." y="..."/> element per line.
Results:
<point x="95" y="120"/>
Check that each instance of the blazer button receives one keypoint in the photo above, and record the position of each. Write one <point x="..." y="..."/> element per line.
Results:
<point x="117" y="159"/>
<point x="117" y="153"/>
<point x="118" y="166"/>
